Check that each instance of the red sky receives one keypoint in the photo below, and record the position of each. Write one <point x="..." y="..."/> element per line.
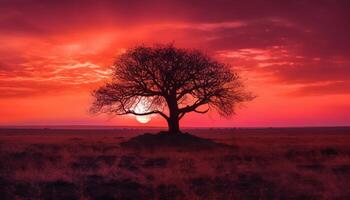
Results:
<point x="295" y="56"/>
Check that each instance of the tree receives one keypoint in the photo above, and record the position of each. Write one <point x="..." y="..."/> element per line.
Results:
<point x="170" y="82"/>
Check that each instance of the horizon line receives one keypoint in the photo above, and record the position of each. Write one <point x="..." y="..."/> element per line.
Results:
<point x="76" y="126"/>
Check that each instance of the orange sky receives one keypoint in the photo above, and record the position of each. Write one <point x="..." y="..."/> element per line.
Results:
<point x="293" y="55"/>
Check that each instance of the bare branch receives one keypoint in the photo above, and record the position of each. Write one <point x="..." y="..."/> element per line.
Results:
<point x="145" y="113"/>
<point x="201" y="112"/>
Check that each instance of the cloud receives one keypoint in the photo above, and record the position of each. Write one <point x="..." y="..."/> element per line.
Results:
<point x="54" y="79"/>
<point x="296" y="43"/>
<point x="282" y="66"/>
<point x="336" y="87"/>
<point x="199" y="26"/>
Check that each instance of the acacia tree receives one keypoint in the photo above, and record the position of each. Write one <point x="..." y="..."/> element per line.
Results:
<point x="170" y="82"/>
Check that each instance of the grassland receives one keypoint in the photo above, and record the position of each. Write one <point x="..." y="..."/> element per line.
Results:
<point x="298" y="164"/>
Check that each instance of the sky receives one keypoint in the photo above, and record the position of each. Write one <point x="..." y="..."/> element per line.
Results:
<point x="293" y="55"/>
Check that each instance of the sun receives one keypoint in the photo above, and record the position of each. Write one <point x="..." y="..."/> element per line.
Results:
<point x="143" y="119"/>
<point x="142" y="108"/>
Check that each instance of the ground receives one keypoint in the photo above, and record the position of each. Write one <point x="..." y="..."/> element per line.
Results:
<point x="303" y="163"/>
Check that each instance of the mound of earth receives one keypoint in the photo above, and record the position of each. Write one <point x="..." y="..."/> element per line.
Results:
<point x="164" y="139"/>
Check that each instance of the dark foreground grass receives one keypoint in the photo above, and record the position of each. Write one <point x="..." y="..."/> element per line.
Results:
<point x="160" y="140"/>
<point x="232" y="164"/>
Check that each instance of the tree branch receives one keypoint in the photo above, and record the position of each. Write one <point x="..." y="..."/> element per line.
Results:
<point x="194" y="106"/>
<point x="143" y="114"/>
<point x="202" y="112"/>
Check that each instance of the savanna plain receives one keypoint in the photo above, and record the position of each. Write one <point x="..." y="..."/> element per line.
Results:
<point x="246" y="164"/>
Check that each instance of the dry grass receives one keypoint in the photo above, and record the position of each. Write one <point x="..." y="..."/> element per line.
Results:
<point x="263" y="164"/>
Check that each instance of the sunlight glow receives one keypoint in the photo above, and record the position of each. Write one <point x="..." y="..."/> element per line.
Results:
<point x="141" y="107"/>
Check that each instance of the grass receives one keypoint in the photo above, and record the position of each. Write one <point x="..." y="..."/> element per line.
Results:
<point x="252" y="164"/>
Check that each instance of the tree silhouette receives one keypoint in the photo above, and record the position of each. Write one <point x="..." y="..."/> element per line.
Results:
<point x="170" y="82"/>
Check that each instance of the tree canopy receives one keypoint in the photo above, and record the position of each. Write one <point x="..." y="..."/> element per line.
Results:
<point x="170" y="82"/>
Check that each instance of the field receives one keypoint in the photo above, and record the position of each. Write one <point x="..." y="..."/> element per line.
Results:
<point x="293" y="163"/>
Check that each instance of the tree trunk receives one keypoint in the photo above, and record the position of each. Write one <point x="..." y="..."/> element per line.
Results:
<point x="173" y="121"/>
<point x="173" y="124"/>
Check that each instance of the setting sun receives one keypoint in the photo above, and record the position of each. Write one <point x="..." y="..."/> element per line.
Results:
<point x="143" y="119"/>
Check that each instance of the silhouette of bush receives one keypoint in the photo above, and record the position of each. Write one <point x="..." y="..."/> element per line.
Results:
<point x="155" y="163"/>
<point x="149" y="177"/>
<point x="307" y="155"/>
<point x="187" y="166"/>
<point x="59" y="189"/>
<point x="299" y="154"/>
<point x="169" y="192"/>
<point x="54" y="159"/>
<point x="252" y="186"/>
<point x="75" y="139"/>
<point x="343" y="197"/>
<point x="232" y="158"/>
<point x="117" y="189"/>
<point x="85" y="163"/>
<point x="25" y="158"/>
<point x="19" y="155"/>
<point x="245" y="187"/>
<point x="224" y="188"/>
<point x="300" y="179"/>
<point x="202" y="187"/>
<point x="26" y="190"/>
<point x="342" y="170"/>
<point x="107" y="159"/>
<point x="312" y="167"/>
<point x="329" y="152"/>
<point x="51" y="148"/>
<point x="297" y="195"/>
<point x="38" y="159"/>
<point x="3" y="166"/>
<point x="109" y="148"/>
<point x="128" y="162"/>
<point x="5" y="189"/>
<point x="93" y="179"/>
